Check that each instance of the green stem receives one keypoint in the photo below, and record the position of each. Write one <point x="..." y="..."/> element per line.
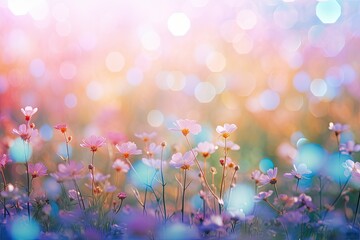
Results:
<point x="93" y="178"/>
<point x="163" y="183"/>
<point x="27" y="178"/>
<point x="357" y="208"/>
<point x="183" y="198"/>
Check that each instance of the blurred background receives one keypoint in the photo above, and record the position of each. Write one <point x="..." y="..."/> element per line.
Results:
<point x="279" y="70"/>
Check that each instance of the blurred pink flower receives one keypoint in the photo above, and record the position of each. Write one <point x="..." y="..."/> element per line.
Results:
<point x="62" y="127"/>
<point x="352" y="168"/>
<point x="28" y="112"/>
<point x="37" y="170"/>
<point x="115" y="137"/>
<point x="229" y="145"/>
<point x="93" y="142"/>
<point x="226" y="130"/>
<point x="145" y="136"/>
<point x="263" y="196"/>
<point x="349" y="147"/>
<point x="205" y="148"/>
<point x="153" y="149"/>
<point x="298" y="172"/>
<point x="127" y="149"/>
<point x="337" y="128"/>
<point x="306" y="200"/>
<point x="255" y="175"/>
<point x="120" y="166"/>
<point x="270" y="177"/>
<point x="183" y="161"/>
<point x="25" y="133"/>
<point x="69" y="171"/>
<point x="153" y="163"/>
<point x="4" y="160"/>
<point x="229" y="163"/>
<point x="187" y="126"/>
<point x="122" y="195"/>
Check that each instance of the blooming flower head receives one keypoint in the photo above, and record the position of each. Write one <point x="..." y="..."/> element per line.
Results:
<point x="28" y="111"/>
<point x="25" y="133"/>
<point x="255" y="175"/>
<point x="73" y="194"/>
<point x="37" y="170"/>
<point x="270" y="177"/>
<point x="298" y="172"/>
<point x="349" y="147"/>
<point x="93" y="142"/>
<point x="352" y="168"/>
<point x="127" y="149"/>
<point x="183" y="161"/>
<point x="4" y="159"/>
<point x="226" y="130"/>
<point x="187" y="126"/>
<point x="62" y="127"/>
<point x="337" y="128"/>
<point x="120" y="166"/>
<point x="153" y="149"/>
<point x="205" y="148"/>
<point x="229" y="163"/>
<point x="153" y="163"/>
<point x="285" y="200"/>
<point x="122" y="195"/>
<point x="145" y="136"/>
<point x="263" y="196"/>
<point x="306" y="200"/>
<point x="68" y="171"/>
<point x="229" y="145"/>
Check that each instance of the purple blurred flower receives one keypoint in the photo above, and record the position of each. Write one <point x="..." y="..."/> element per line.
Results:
<point x="120" y="166"/>
<point x="306" y="201"/>
<point x="26" y="133"/>
<point x="68" y="171"/>
<point x="294" y="217"/>
<point x="183" y="161"/>
<point x="153" y="163"/>
<point x="4" y="160"/>
<point x="269" y="178"/>
<point x="349" y="147"/>
<point x="37" y="170"/>
<point x="263" y="196"/>
<point x="127" y="149"/>
<point x="337" y="128"/>
<point x="298" y="172"/>
<point x="255" y="175"/>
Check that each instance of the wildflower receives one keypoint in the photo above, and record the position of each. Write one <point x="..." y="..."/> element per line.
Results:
<point x="145" y="136"/>
<point x="205" y="148"/>
<point x="4" y="160"/>
<point x="229" y="163"/>
<point x="349" y="147"/>
<point x="122" y="195"/>
<point x="351" y="168"/>
<point x="269" y="178"/>
<point x="285" y="200"/>
<point x="295" y="217"/>
<point x="183" y="161"/>
<point x="337" y="128"/>
<point x="37" y="170"/>
<point x="93" y="142"/>
<point x="298" y="172"/>
<point x="108" y="187"/>
<point x="187" y="126"/>
<point x="120" y="166"/>
<point x="115" y="137"/>
<point x="255" y="175"/>
<point x="153" y="149"/>
<point x="306" y="201"/>
<point x="73" y="194"/>
<point x="25" y="133"/>
<point x="99" y="177"/>
<point x="153" y="163"/>
<point x="62" y="127"/>
<point x="127" y="149"/>
<point x="263" y="196"/>
<point x="28" y="112"/>
<point x="226" y="130"/>
<point x="69" y="170"/>
<point x="229" y="145"/>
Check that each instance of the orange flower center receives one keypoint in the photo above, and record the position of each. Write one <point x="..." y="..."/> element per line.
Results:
<point x="185" y="131"/>
<point x="185" y="167"/>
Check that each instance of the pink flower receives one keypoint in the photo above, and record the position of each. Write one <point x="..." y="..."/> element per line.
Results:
<point x="255" y="175"/>
<point x="93" y="142"/>
<point x="122" y="195"/>
<point x="61" y="127"/>
<point x="226" y="130"/>
<point x="337" y="128"/>
<point x="127" y="149"/>
<point x="4" y="160"/>
<point x="229" y="145"/>
<point x="28" y="112"/>
<point x="269" y="178"/>
<point x="205" y="148"/>
<point x="25" y="133"/>
<point x="298" y="172"/>
<point x="153" y="149"/>
<point x="263" y="196"/>
<point x="145" y="136"/>
<point x="183" y="161"/>
<point x="187" y="126"/>
<point x="69" y="171"/>
<point x="352" y="168"/>
<point x="349" y="147"/>
<point x="153" y="163"/>
<point x="115" y="137"/>
<point x="120" y="166"/>
<point x="37" y="170"/>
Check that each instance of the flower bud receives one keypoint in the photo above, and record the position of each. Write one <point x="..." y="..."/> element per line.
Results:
<point x="91" y="167"/>
<point x="163" y="144"/>
<point x="122" y="195"/>
<point x="32" y="125"/>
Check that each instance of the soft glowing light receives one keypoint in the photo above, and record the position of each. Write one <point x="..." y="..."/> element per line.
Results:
<point x="155" y="118"/>
<point x="294" y="103"/>
<point x="269" y="100"/>
<point x="285" y="16"/>
<point x="312" y="155"/>
<point x="175" y="81"/>
<point x="178" y="24"/>
<point x="150" y="40"/>
<point x="70" y="100"/>
<point x="62" y="150"/>
<point x="216" y="62"/>
<point x="60" y="12"/>
<point x="63" y="29"/>
<point x="22" y="228"/>
<point x="134" y="76"/>
<point x="328" y="11"/>
<point x="39" y="9"/>
<point x="37" y="68"/>
<point x="242" y="199"/>
<point x="19" y="7"/>
<point x="68" y="70"/>
<point x="243" y="44"/>
<point x="265" y="164"/>
<point x="302" y="82"/>
<point x="205" y="92"/>
<point x="246" y="19"/>
<point x="88" y="41"/>
<point x="52" y="188"/>
<point x="4" y="85"/>
<point x="94" y="90"/>
<point x="46" y="132"/>
<point x="20" y="152"/>
<point x="115" y="61"/>
<point x="318" y="87"/>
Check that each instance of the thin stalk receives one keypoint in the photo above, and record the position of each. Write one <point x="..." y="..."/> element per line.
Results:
<point x="121" y="202"/>
<point x="5" y="184"/>
<point x="231" y="182"/>
<point x="223" y="175"/>
<point x="67" y="147"/>
<point x="276" y="191"/>
<point x="320" y="193"/>
<point x="93" y="177"/>
<point x="297" y="184"/>
<point x="338" y="144"/>
<point x="27" y="179"/>
<point x="357" y="208"/>
<point x="183" y="197"/>
<point x="77" y="195"/>
<point x="272" y="206"/>
<point x="204" y="208"/>
<point x="163" y="183"/>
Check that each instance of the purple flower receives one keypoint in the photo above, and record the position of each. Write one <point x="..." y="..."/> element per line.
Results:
<point x="263" y="196"/>
<point x="37" y="170"/>
<point x="298" y="172"/>
<point x="295" y="217"/>
<point x="4" y="160"/>
<point x="255" y="175"/>
<point x="352" y="168"/>
<point x="25" y="133"/>
<point x="183" y="161"/>
<point x="93" y="142"/>
<point x="187" y="126"/>
<point x="269" y="178"/>
<point x="349" y="147"/>
<point x="127" y="149"/>
<point x="306" y="201"/>
<point x="337" y="128"/>
<point x="205" y="148"/>
<point x="68" y="171"/>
